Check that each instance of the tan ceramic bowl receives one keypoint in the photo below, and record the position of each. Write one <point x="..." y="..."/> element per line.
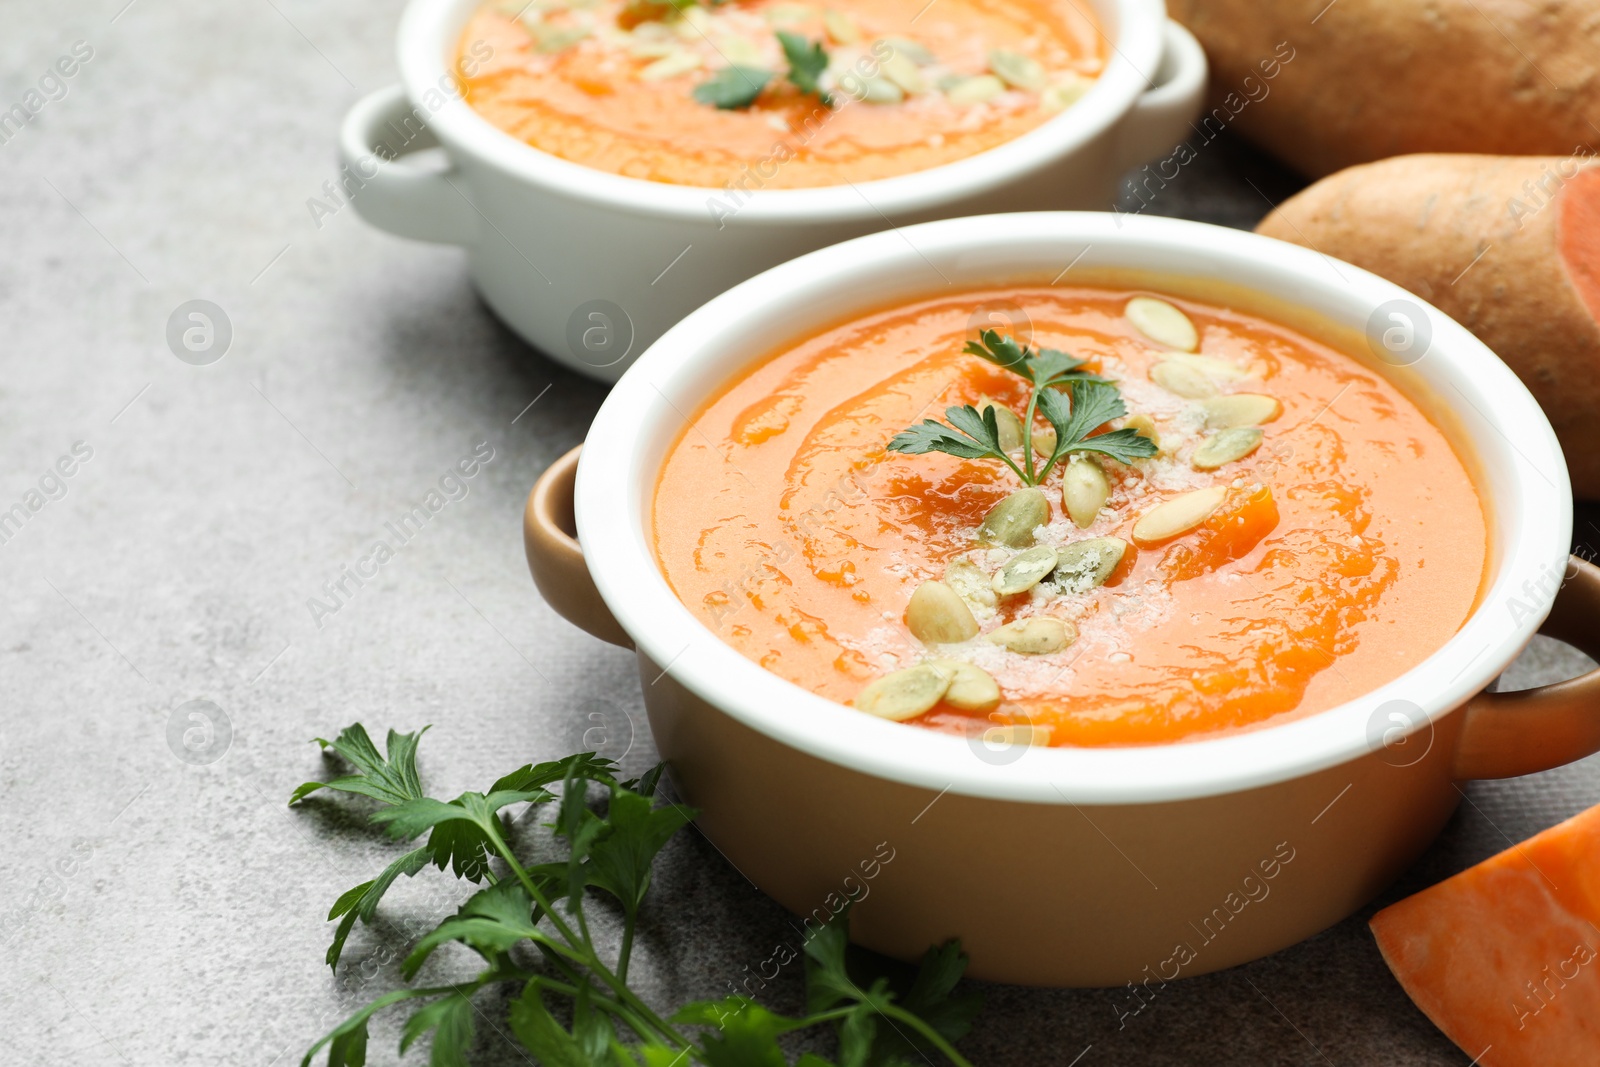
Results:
<point x="1077" y="866"/>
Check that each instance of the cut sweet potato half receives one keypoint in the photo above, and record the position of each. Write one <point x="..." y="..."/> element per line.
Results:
<point x="1505" y="957"/>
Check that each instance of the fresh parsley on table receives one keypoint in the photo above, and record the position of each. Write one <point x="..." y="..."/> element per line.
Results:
<point x="529" y="922"/>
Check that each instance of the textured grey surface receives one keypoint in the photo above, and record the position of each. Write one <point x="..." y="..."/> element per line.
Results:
<point x="157" y="912"/>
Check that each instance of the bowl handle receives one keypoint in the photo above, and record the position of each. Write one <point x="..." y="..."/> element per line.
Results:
<point x="1160" y="118"/>
<point x="408" y="201"/>
<point x="1508" y="734"/>
<point x="549" y="533"/>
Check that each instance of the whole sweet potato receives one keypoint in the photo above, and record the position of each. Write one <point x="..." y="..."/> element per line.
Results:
<point x="1376" y="78"/>
<point x="1508" y="246"/>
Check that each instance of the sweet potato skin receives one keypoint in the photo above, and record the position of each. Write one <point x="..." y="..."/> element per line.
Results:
<point x="1377" y="78"/>
<point x="1479" y="237"/>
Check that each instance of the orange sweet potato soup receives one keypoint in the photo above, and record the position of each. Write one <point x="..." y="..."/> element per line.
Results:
<point x="1232" y="523"/>
<point x="769" y="94"/>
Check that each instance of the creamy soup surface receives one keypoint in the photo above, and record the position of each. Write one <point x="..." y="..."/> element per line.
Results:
<point x="1344" y="541"/>
<point x="703" y="95"/>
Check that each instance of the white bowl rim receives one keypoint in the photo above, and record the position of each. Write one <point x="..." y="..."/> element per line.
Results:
<point x="1132" y="64"/>
<point x="1530" y="523"/>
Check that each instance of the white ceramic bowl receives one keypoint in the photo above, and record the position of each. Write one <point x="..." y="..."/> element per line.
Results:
<point x="551" y="244"/>
<point x="1059" y="865"/>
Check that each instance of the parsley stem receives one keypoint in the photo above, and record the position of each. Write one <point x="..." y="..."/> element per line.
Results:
<point x="636" y="1024"/>
<point x="493" y="833"/>
<point x="1050" y="465"/>
<point x="933" y="1036"/>
<point x="627" y="947"/>
<point x="583" y="924"/>
<point x="591" y="958"/>
<point x="1027" y="439"/>
<point x="1014" y="468"/>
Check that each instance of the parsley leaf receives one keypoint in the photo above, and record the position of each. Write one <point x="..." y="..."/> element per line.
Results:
<point x="807" y="61"/>
<point x="1043" y="368"/>
<point x="491" y="923"/>
<point x="923" y="1012"/>
<point x="1088" y="401"/>
<point x="742" y="1034"/>
<point x="391" y="779"/>
<point x="620" y="861"/>
<point x="1093" y="404"/>
<point x="543" y="1036"/>
<point x="933" y="998"/>
<point x="451" y="1020"/>
<point x="732" y="87"/>
<point x="362" y="901"/>
<point x="970" y="435"/>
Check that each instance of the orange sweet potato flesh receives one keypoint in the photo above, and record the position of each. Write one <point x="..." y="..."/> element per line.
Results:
<point x="1507" y="246"/>
<point x="1240" y="524"/>
<point x="1505" y="956"/>
<point x="1327" y="85"/>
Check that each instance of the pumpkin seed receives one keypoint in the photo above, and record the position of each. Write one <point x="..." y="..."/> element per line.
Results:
<point x="1062" y="96"/>
<point x="1088" y="564"/>
<point x="880" y="91"/>
<point x="1024" y="571"/>
<point x="1013" y="520"/>
<point x="840" y="27"/>
<point x="971" y="687"/>
<point x="1240" y="409"/>
<point x="652" y="31"/>
<point x="1218" y="370"/>
<point x="971" y="585"/>
<point x="671" y="66"/>
<point x="899" y="69"/>
<point x="1018" y="733"/>
<point x="1177" y="516"/>
<point x="1145" y="425"/>
<point x="784" y="14"/>
<point x="978" y="89"/>
<point x="740" y="51"/>
<point x="1016" y="70"/>
<point x="913" y="51"/>
<point x="1162" y="323"/>
<point x="1084" y="491"/>
<point x="1037" y="636"/>
<point x="1044" y="441"/>
<point x="1225" y="446"/>
<point x="936" y="615"/>
<point x="552" y="39"/>
<point x="905" y="694"/>
<point x="651" y="48"/>
<point x="1182" y="379"/>
<point x="1008" y="422"/>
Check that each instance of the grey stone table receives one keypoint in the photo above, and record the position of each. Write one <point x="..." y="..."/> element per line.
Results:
<point x="157" y="911"/>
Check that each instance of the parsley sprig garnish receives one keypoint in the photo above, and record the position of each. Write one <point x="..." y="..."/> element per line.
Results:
<point x="733" y="87"/>
<point x="530" y="925"/>
<point x="737" y="86"/>
<point x="807" y="61"/>
<point x="1072" y="401"/>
